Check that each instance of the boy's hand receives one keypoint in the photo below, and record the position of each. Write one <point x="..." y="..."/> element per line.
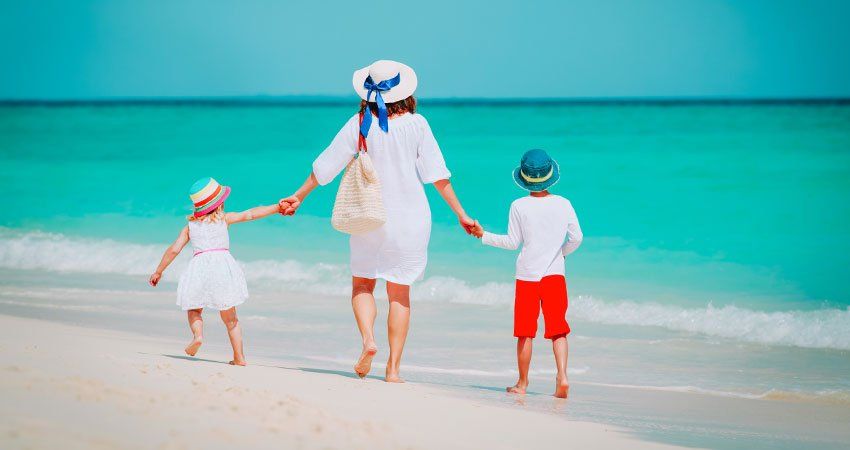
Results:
<point x="477" y="230"/>
<point x="154" y="279"/>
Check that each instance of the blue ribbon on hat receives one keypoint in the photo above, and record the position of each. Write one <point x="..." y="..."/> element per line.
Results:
<point x="377" y="88"/>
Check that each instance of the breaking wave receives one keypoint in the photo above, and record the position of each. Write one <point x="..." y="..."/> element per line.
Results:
<point x="822" y="328"/>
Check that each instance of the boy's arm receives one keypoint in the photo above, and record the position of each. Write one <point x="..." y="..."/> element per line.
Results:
<point x="253" y="214"/>
<point x="508" y="241"/>
<point x="170" y="253"/>
<point x="574" y="235"/>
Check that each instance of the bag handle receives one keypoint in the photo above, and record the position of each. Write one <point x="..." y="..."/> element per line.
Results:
<point x="361" y="140"/>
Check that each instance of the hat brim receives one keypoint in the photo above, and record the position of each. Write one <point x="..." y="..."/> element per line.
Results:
<point x="215" y="204"/>
<point x="537" y="187"/>
<point x="405" y="88"/>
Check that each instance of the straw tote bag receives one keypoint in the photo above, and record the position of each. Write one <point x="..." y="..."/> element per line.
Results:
<point x="359" y="208"/>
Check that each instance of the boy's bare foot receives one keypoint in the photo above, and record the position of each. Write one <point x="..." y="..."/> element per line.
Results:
<point x="193" y="347"/>
<point x="364" y="364"/>
<point x="562" y="387"/>
<point x="518" y="388"/>
<point x="238" y="362"/>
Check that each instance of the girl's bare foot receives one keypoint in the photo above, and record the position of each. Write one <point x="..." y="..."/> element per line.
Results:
<point x="193" y="347"/>
<point x="240" y="362"/>
<point x="562" y="387"/>
<point x="364" y="364"/>
<point x="518" y="388"/>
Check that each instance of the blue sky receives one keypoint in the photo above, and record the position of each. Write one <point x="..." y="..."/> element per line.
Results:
<point x="560" y="48"/>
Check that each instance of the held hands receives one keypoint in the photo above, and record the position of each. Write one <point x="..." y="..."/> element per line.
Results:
<point x="471" y="226"/>
<point x="477" y="230"/>
<point x="154" y="279"/>
<point x="289" y="205"/>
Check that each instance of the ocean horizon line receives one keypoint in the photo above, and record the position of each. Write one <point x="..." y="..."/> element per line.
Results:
<point x="330" y="100"/>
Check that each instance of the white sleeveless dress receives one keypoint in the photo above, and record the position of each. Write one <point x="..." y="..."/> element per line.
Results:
<point x="213" y="278"/>
<point x="405" y="158"/>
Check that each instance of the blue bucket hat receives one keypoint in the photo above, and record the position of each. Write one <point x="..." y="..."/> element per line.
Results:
<point x="537" y="171"/>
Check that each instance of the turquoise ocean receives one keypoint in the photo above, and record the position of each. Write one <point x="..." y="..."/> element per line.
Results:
<point x="714" y="265"/>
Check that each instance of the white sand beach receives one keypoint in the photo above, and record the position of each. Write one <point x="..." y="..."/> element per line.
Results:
<point x="76" y="387"/>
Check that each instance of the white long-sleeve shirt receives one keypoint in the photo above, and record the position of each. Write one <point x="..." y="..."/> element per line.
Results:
<point x="547" y="228"/>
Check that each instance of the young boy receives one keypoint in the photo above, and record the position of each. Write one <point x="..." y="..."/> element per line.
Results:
<point x="548" y="229"/>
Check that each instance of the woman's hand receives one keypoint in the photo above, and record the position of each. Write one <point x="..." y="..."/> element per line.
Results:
<point x="468" y="223"/>
<point x="154" y="279"/>
<point x="289" y="205"/>
<point x="477" y="230"/>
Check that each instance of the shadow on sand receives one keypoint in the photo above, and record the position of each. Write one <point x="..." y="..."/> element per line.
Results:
<point x="193" y="358"/>
<point x="340" y="373"/>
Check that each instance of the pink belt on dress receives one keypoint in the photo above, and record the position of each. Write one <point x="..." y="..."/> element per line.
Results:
<point x="211" y="250"/>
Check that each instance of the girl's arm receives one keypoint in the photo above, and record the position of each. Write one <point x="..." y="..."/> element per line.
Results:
<point x="252" y="214"/>
<point x="169" y="255"/>
<point x="444" y="187"/>
<point x="509" y="241"/>
<point x="290" y="204"/>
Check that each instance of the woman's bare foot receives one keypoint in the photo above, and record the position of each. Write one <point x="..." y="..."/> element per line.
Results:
<point x="239" y="362"/>
<point x="518" y="388"/>
<point x="392" y="377"/>
<point x="364" y="364"/>
<point x="193" y="347"/>
<point x="562" y="387"/>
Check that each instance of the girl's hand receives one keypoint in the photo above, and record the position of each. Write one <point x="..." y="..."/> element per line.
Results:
<point x="282" y="206"/>
<point x="289" y="205"/>
<point x="154" y="279"/>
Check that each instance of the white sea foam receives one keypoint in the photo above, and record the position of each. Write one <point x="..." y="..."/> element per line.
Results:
<point x="822" y="328"/>
<point x="830" y="396"/>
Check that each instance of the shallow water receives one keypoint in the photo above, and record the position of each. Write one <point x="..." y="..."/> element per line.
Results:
<point x="713" y="264"/>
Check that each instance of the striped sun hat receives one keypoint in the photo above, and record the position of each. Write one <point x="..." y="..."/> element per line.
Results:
<point x="207" y="195"/>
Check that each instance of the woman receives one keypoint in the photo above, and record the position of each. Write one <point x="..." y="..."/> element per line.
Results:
<point x="405" y="156"/>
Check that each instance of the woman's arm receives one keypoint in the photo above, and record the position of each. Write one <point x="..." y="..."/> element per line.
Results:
<point x="252" y="214"/>
<point x="290" y="204"/>
<point x="169" y="255"/>
<point x="327" y="165"/>
<point x="444" y="187"/>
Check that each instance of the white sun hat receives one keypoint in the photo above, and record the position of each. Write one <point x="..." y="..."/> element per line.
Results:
<point x="385" y="70"/>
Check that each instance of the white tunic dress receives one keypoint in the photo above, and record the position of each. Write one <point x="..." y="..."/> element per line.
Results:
<point x="404" y="158"/>
<point x="213" y="278"/>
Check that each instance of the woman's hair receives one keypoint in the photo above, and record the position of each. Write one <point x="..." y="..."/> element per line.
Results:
<point x="394" y="108"/>
<point x="215" y="216"/>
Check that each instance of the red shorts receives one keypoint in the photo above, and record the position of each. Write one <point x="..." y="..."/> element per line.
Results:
<point x="551" y="293"/>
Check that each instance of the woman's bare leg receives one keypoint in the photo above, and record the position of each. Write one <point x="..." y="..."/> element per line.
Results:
<point x="561" y="348"/>
<point x="365" y="311"/>
<point x="196" y="324"/>
<point x="234" y="332"/>
<point x="398" y="322"/>
<point x="523" y="362"/>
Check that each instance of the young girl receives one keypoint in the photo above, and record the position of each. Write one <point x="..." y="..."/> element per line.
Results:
<point x="213" y="279"/>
